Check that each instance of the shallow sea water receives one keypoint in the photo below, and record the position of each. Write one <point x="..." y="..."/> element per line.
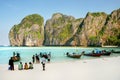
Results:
<point x="57" y="53"/>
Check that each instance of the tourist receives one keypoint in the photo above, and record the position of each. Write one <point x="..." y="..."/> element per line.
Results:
<point x="40" y="54"/>
<point x="43" y="63"/>
<point x="11" y="63"/>
<point x="18" y="55"/>
<point x="30" y="65"/>
<point x="14" y="56"/>
<point x="20" y="66"/>
<point x="33" y="59"/>
<point x="49" y="56"/>
<point x="26" y="66"/>
<point x="13" y="53"/>
<point x="67" y="53"/>
<point x="37" y="59"/>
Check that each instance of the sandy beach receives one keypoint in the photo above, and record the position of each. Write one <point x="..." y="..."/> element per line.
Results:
<point x="94" y="69"/>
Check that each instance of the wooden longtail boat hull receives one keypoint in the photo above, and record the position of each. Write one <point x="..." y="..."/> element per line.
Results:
<point x="74" y="56"/>
<point x="106" y="53"/>
<point x="94" y="55"/>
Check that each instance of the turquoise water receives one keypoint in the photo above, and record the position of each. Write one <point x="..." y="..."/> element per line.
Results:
<point x="58" y="53"/>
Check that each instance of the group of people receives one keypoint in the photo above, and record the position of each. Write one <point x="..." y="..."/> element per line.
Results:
<point x="20" y="65"/>
<point x="26" y="67"/>
<point x="43" y="57"/>
<point x="36" y="57"/>
<point x="46" y="56"/>
<point x="16" y="56"/>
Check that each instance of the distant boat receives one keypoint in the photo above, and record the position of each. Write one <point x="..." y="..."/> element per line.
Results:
<point x="113" y="51"/>
<point x="103" y="52"/>
<point x="74" y="55"/>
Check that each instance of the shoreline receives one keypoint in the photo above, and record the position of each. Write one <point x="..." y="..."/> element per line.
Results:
<point x="92" y="69"/>
<point x="110" y="46"/>
<point x="58" y="53"/>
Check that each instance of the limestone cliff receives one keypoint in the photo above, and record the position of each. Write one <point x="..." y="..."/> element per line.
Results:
<point x="96" y="29"/>
<point x="111" y="35"/>
<point x="30" y="32"/>
<point x="89" y="29"/>
<point x="99" y="29"/>
<point x="60" y="28"/>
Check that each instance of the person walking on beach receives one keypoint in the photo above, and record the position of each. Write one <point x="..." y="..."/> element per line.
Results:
<point x="43" y="63"/>
<point x="11" y="63"/>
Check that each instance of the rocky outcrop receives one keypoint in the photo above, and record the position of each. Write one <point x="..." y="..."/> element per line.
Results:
<point x="111" y="34"/>
<point x="96" y="29"/>
<point x="30" y="32"/>
<point x="88" y="32"/>
<point x="60" y="28"/>
<point x="99" y="29"/>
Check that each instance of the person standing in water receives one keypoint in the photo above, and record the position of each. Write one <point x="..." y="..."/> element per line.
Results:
<point x="49" y="56"/>
<point x="37" y="59"/>
<point x="33" y="59"/>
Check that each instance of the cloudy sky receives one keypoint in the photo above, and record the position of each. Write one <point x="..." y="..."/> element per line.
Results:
<point x="13" y="11"/>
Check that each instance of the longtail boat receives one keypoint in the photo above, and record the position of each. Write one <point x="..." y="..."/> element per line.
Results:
<point x="74" y="55"/>
<point x="93" y="54"/>
<point x="113" y="51"/>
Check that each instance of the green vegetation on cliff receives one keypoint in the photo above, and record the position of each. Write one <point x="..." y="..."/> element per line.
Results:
<point x="114" y="39"/>
<point x="30" y="32"/>
<point x="98" y="14"/>
<point x="95" y="29"/>
<point x="101" y="32"/>
<point x="66" y="32"/>
<point x="32" y="19"/>
<point x="94" y="41"/>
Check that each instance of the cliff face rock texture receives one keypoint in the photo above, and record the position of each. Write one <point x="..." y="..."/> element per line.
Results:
<point x="30" y="32"/>
<point x="59" y="29"/>
<point x="89" y="29"/>
<point x="111" y="35"/>
<point x="96" y="29"/>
